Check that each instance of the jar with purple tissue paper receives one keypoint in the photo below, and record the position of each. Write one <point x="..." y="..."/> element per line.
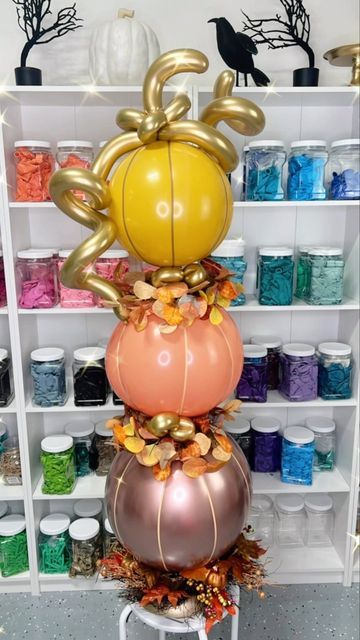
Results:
<point x="298" y="372"/>
<point x="297" y="456"/>
<point x="273" y="347"/>
<point x="36" y="279"/>
<point x="2" y="282"/>
<point x="264" y="166"/>
<point x="230" y="255"/>
<point x="306" y="170"/>
<point x="240" y="432"/>
<point x="252" y="386"/>
<point x="335" y="371"/>
<point x="266" y="444"/>
<point x="344" y="169"/>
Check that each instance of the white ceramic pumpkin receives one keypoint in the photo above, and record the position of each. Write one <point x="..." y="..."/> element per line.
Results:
<point x="121" y="51"/>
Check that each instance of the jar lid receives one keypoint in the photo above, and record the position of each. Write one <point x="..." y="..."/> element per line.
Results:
<point x="298" y="349"/>
<point x="320" y="424"/>
<point x="88" y="508"/>
<point x="347" y="142"/>
<point x="75" y="143"/>
<point x="53" y="250"/>
<point x="3" y="354"/>
<point x="108" y="526"/>
<point x="3" y="508"/>
<point x="289" y="502"/>
<point x="114" y="253"/>
<point x="305" y="248"/>
<point x="325" y="251"/>
<point x="32" y="143"/>
<point x="54" y="524"/>
<point x="275" y="251"/>
<point x="231" y="247"/>
<point x="261" y="503"/>
<point x="265" y="424"/>
<point x="89" y="354"/>
<point x="102" y="430"/>
<point x="299" y="435"/>
<point x="64" y="253"/>
<point x="318" y="502"/>
<point x="79" y="428"/>
<point x="12" y="524"/>
<point x="33" y="254"/>
<point x="241" y="425"/>
<point x="246" y="148"/>
<point x="47" y="354"/>
<point x="56" y="444"/>
<point x="254" y="351"/>
<point x="254" y="144"/>
<point x="270" y="342"/>
<point x="84" y="529"/>
<point x="308" y="143"/>
<point x="103" y="143"/>
<point x="334" y="348"/>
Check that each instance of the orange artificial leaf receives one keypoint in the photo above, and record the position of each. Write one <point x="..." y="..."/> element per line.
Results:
<point x="204" y="443"/>
<point x="203" y="423"/>
<point x="210" y="293"/>
<point x="143" y="290"/>
<point x="149" y="456"/>
<point x="113" y="422"/>
<point x="191" y="450"/>
<point x="249" y="549"/>
<point x="228" y="290"/>
<point x="167" y="453"/>
<point x="194" y="467"/>
<point x="130" y="428"/>
<point x="167" y="328"/>
<point x="199" y="574"/>
<point x="224" y="303"/>
<point x="220" y="454"/>
<point x="133" y="276"/>
<point x="134" y="444"/>
<point x="212" y="465"/>
<point x="161" y="474"/>
<point x="223" y="441"/>
<point x="216" y="316"/>
<point x="145" y="434"/>
<point x="119" y="434"/>
<point x="158" y="308"/>
<point x="171" y="291"/>
<point x="175" y="596"/>
<point x="232" y="406"/>
<point x="172" y="315"/>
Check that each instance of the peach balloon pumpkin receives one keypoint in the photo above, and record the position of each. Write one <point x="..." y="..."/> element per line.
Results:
<point x="188" y="372"/>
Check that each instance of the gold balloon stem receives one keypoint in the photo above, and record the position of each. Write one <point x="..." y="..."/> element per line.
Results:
<point x="355" y="78"/>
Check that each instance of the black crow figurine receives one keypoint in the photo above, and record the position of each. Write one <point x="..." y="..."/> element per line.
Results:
<point x="237" y="51"/>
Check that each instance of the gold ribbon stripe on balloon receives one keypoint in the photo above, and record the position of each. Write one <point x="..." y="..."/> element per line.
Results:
<point x="155" y="122"/>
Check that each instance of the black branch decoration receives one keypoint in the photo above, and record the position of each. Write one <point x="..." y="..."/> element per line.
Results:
<point x="33" y="18"/>
<point x="280" y="32"/>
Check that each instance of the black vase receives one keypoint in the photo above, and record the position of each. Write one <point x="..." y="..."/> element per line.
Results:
<point x="28" y="76"/>
<point x="307" y="77"/>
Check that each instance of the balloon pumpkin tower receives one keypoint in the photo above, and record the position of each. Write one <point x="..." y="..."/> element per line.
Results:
<point x="179" y="489"/>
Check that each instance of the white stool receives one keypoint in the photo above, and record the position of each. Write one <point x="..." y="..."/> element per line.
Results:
<point x="167" y="625"/>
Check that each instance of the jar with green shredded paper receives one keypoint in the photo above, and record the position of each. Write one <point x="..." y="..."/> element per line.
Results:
<point x="13" y="546"/>
<point x="54" y="544"/>
<point x="58" y="462"/>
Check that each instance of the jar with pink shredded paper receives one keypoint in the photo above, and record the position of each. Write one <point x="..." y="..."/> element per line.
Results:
<point x="112" y="265"/>
<point x="73" y="298"/>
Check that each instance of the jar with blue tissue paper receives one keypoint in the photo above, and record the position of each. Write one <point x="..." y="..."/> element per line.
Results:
<point x="275" y="271"/>
<point x="306" y="170"/>
<point x="48" y="376"/>
<point x="297" y="456"/>
<point x="344" y="169"/>
<point x="230" y="254"/>
<point x="325" y="276"/>
<point x="335" y="371"/>
<point x="264" y="170"/>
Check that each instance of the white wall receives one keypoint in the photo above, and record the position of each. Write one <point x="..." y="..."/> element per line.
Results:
<point x="183" y="23"/>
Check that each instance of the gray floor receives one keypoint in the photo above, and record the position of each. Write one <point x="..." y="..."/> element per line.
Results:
<point x="301" y="612"/>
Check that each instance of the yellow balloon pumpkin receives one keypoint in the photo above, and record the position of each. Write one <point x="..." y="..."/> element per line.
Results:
<point x="171" y="202"/>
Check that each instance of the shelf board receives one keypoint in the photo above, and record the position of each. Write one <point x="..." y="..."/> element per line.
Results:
<point x="9" y="493"/>
<point x="91" y="486"/>
<point x="3" y="311"/>
<point x="62" y="582"/>
<point x="304" y="564"/>
<point x="70" y="406"/>
<point x="274" y="96"/>
<point x="277" y="400"/>
<point x="10" y="409"/>
<point x="323" y="482"/>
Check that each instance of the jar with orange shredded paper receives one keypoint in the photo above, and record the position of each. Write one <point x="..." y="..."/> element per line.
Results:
<point x="75" y="153"/>
<point x="34" y="167"/>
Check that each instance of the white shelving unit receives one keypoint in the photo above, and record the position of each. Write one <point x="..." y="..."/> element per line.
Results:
<point x="53" y="113"/>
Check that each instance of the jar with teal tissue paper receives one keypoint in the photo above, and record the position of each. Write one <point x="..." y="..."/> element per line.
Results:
<point x="264" y="167"/>
<point x="302" y="272"/>
<point x="306" y="170"/>
<point x="274" y="280"/>
<point x="325" y="276"/>
<point x="335" y="371"/>
<point x="324" y="441"/>
<point x="297" y="456"/>
<point x="230" y="254"/>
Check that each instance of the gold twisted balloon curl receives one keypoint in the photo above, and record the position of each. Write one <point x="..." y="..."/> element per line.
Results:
<point x="141" y="128"/>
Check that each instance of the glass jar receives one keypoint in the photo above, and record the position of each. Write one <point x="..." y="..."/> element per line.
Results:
<point x="4" y="508"/>
<point x="3" y="435"/>
<point x="58" y="463"/>
<point x="75" y="153"/>
<point x="298" y="372"/>
<point x="103" y="342"/>
<point x="306" y="170"/>
<point x="324" y="441"/>
<point x="102" y="452"/>
<point x="10" y="463"/>
<point x="91" y="508"/>
<point x="230" y="254"/>
<point x="252" y="386"/>
<point x="73" y="298"/>
<point x="90" y="381"/>
<point x="297" y="456"/>
<point x="240" y="432"/>
<point x="48" y="375"/>
<point x="264" y="166"/>
<point x="275" y="272"/>
<point x="344" y="168"/>
<point x="112" y="265"/>
<point x="266" y="444"/>
<point x="3" y="301"/>
<point x="54" y="544"/>
<point x="81" y="432"/>
<point x="13" y="545"/>
<point x="320" y="520"/>
<point x="6" y="386"/>
<point x="261" y="519"/>
<point x="243" y="179"/>
<point x="86" y="547"/>
<point x="36" y="279"/>
<point x="272" y="345"/>
<point x="34" y="165"/>
<point x="111" y="543"/>
<point x="325" y="276"/>
<point x="290" y="522"/>
<point x="302" y="273"/>
<point x="335" y="371"/>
